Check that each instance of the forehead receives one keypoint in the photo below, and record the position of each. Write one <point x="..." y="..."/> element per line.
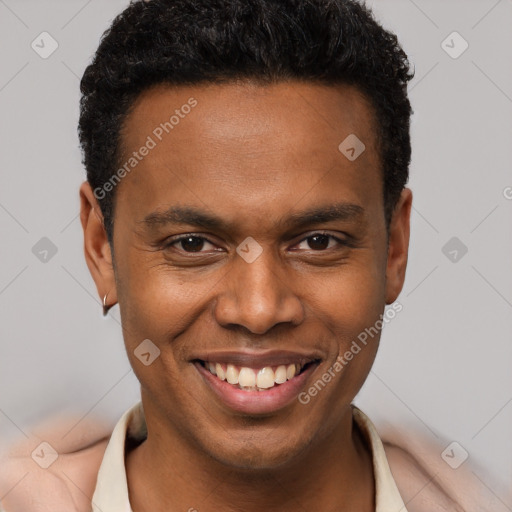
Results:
<point x="248" y="146"/>
<point x="305" y="112"/>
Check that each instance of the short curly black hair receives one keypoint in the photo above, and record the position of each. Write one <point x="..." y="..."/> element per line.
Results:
<point x="184" y="42"/>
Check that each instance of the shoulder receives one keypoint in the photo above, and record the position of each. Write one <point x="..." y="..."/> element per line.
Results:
<point x="418" y="486"/>
<point x="428" y="484"/>
<point x="52" y="473"/>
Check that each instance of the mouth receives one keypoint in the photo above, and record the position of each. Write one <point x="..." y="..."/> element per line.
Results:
<point x="256" y="384"/>
<point x="255" y="379"/>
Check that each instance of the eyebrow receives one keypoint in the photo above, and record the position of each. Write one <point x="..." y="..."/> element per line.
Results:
<point x="200" y="218"/>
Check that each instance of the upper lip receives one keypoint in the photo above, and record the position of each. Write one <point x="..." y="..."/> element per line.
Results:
<point x="258" y="359"/>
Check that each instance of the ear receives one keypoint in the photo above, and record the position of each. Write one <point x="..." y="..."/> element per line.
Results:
<point x="398" y="246"/>
<point x="96" y="247"/>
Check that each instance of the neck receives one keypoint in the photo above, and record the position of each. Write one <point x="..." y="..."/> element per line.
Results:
<point x="165" y="473"/>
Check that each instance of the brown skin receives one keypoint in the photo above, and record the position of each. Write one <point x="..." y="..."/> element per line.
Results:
<point x="251" y="155"/>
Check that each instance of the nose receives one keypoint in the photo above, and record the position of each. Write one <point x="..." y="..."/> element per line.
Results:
<point x="258" y="296"/>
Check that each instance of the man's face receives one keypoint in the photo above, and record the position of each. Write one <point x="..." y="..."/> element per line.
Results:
<point x="258" y="162"/>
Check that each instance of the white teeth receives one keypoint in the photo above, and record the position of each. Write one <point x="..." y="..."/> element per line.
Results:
<point x="280" y="375"/>
<point x="220" y="372"/>
<point x="232" y="374"/>
<point x="247" y="378"/>
<point x="290" y="371"/>
<point x="265" y="378"/>
<point x="250" y="379"/>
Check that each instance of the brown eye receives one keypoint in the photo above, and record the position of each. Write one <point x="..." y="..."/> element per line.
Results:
<point x="318" y="242"/>
<point x="321" y="242"/>
<point x="191" y="243"/>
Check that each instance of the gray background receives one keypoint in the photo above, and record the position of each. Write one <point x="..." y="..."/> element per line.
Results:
<point x="444" y="363"/>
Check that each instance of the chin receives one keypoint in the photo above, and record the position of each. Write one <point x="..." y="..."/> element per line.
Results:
<point x="253" y="454"/>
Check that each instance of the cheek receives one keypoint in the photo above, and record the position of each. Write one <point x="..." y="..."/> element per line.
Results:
<point x="353" y="297"/>
<point x="350" y="308"/>
<point x="157" y="304"/>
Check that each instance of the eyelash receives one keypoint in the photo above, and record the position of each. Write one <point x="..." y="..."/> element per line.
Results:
<point x="176" y="241"/>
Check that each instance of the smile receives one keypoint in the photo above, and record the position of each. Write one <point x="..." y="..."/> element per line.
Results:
<point x="254" y="379"/>
<point x="256" y="383"/>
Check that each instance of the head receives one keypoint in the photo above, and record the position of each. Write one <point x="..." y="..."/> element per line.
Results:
<point x="245" y="204"/>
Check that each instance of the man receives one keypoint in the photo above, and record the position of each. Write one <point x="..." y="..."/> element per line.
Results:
<point x="245" y="206"/>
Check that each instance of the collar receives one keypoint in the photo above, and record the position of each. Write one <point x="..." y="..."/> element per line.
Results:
<point x="111" y="493"/>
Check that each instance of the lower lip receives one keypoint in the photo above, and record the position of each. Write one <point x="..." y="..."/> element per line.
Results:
<point x="256" y="402"/>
